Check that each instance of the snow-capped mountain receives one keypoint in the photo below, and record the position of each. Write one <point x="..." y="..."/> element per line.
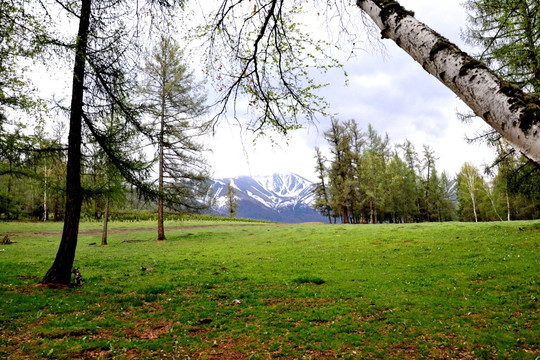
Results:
<point x="278" y="197"/>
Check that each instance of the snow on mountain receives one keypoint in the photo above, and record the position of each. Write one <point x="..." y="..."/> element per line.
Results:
<point x="277" y="197"/>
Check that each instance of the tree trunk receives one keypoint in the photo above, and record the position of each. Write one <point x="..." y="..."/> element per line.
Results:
<point x="474" y="207"/>
<point x="105" y="223"/>
<point x="344" y="215"/>
<point x="161" y="229"/>
<point x="60" y="271"/>
<point x="507" y="206"/>
<point x="45" y="197"/>
<point x="371" y="212"/>
<point x="56" y="210"/>
<point x="493" y="204"/>
<point x="511" y="112"/>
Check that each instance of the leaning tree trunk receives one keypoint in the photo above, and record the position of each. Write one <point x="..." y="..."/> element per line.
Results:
<point x="60" y="271"/>
<point x="510" y="111"/>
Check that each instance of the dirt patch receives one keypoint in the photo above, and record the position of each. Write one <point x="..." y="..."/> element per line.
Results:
<point x="224" y="349"/>
<point x="144" y="329"/>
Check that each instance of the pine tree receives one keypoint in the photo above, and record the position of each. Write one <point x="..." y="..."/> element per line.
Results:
<point x="175" y="102"/>
<point x="339" y="170"/>
<point x="232" y="201"/>
<point x="320" y="189"/>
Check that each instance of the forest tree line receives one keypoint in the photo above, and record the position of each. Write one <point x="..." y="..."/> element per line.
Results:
<point x="366" y="179"/>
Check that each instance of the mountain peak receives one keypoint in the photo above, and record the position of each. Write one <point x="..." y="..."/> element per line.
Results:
<point x="282" y="197"/>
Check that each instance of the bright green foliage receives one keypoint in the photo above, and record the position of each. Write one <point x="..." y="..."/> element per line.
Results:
<point x="103" y="183"/>
<point x="408" y="291"/>
<point x="260" y="50"/>
<point x="508" y="33"/>
<point x="368" y="182"/>
<point x="31" y="169"/>
<point x="469" y="184"/>
<point x="512" y="194"/>
<point x="340" y="171"/>
<point x="373" y="179"/>
<point x="21" y="33"/>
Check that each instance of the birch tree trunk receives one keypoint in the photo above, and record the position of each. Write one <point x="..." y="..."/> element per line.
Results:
<point x="511" y="112"/>
<point x="507" y="206"/>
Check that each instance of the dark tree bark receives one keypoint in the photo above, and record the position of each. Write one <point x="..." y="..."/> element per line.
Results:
<point x="161" y="228"/>
<point x="105" y="223"/>
<point x="60" y="271"/>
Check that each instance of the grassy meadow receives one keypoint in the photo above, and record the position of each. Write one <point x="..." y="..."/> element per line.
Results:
<point x="220" y="290"/>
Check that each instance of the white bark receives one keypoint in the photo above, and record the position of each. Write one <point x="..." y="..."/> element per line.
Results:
<point x="515" y="115"/>
<point x="507" y="206"/>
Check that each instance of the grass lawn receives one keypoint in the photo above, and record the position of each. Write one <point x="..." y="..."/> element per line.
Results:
<point x="259" y="291"/>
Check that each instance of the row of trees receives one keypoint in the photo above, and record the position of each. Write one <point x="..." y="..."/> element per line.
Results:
<point x="510" y="192"/>
<point x="171" y="105"/>
<point x="367" y="180"/>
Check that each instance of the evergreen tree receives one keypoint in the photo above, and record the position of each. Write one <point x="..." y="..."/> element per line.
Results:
<point x="374" y="173"/>
<point x="430" y="183"/>
<point x="397" y="189"/>
<point x="339" y="171"/>
<point x="411" y="184"/>
<point x="320" y="189"/>
<point x="446" y="197"/>
<point x="508" y="35"/>
<point x="175" y="102"/>
<point x="232" y="201"/>
<point x="102" y="75"/>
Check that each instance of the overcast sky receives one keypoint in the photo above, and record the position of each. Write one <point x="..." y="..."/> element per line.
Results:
<point x="391" y="92"/>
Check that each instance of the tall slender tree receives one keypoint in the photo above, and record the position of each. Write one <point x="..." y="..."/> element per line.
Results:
<point x="320" y="189"/>
<point x="176" y="103"/>
<point x="102" y="49"/>
<point x="232" y="201"/>
<point x="469" y="187"/>
<point x="339" y="172"/>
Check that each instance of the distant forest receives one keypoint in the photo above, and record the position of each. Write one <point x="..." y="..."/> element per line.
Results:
<point x="368" y="180"/>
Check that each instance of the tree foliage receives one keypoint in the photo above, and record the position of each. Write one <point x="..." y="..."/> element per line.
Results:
<point x="21" y="40"/>
<point x="175" y="103"/>
<point x="507" y="32"/>
<point x="232" y="201"/>
<point x="369" y="182"/>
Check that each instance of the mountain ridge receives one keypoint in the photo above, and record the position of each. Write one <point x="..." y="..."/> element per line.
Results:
<point x="278" y="197"/>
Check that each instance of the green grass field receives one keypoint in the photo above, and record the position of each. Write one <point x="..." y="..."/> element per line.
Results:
<point x="258" y="291"/>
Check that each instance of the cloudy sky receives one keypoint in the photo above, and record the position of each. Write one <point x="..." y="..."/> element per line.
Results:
<point x="392" y="92"/>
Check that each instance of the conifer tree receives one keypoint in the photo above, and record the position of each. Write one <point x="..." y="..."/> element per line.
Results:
<point x="232" y="201"/>
<point x="320" y="189"/>
<point x="176" y="104"/>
